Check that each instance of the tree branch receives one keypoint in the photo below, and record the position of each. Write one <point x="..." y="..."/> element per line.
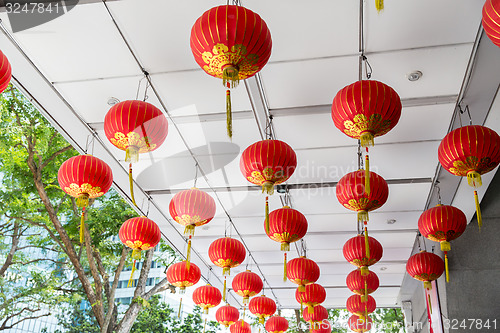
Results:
<point x="54" y="155"/>
<point x="13" y="249"/>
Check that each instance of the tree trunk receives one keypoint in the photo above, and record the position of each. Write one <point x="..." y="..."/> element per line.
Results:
<point x="13" y="249"/>
<point x="297" y="317"/>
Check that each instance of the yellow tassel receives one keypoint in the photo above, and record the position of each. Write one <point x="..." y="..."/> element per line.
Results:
<point x="136" y="254"/>
<point x="365" y="270"/>
<point x="379" y="4"/>
<point x="188" y="255"/>
<point x="243" y="318"/>
<point x="428" y="285"/>
<point x="224" y="290"/>
<point x="180" y="307"/>
<point x="302" y="288"/>
<point x="445" y="246"/>
<point x="446" y="267"/>
<point x="182" y="290"/>
<point x="367" y="175"/>
<point x="226" y="271"/>
<point x="478" y="211"/>
<point x="82" y="226"/>
<point x="267" y="215"/>
<point x="131" y="181"/>
<point x="82" y="200"/>
<point x="474" y="179"/>
<point x="285" y="246"/>
<point x="364" y="299"/>
<point x="366" y="139"/>
<point x="205" y="324"/>
<point x="189" y="229"/>
<point x="430" y="305"/>
<point x="262" y="320"/>
<point x="229" y="115"/>
<point x="268" y="187"/>
<point x="284" y="270"/>
<point x="301" y="308"/>
<point x="245" y="301"/>
<point x="310" y="309"/>
<point x="130" y="281"/>
<point x="205" y="310"/>
<point x="363" y="216"/>
<point x="367" y="243"/>
<point x="231" y="76"/>
<point x="132" y="154"/>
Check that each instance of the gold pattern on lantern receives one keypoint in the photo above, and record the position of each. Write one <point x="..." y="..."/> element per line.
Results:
<point x="269" y="175"/>
<point x="361" y="124"/>
<point x="471" y="163"/>
<point x="284" y="237"/>
<point x="186" y="219"/>
<point x="226" y="263"/>
<point x="221" y="56"/>
<point x="123" y="141"/>
<point x="76" y="190"/>
<point x="360" y="204"/>
<point x="138" y="245"/>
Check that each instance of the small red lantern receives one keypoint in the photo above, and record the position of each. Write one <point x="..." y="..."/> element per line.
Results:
<point x="179" y="276"/>
<point x="357" y="305"/>
<point x="227" y="253"/>
<point x="84" y="177"/>
<point x="276" y="324"/>
<point x="231" y="43"/>
<point x="5" y="72"/>
<point x="362" y="285"/>
<point x="425" y="267"/>
<point x="442" y="224"/>
<point x="227" y="315"/>
<point x="314" y="295"/>
<point x="470" y="151"/>
<point x="207" y="297"/>
<point x="302" y="271"/>
<point x="355" y="252"/>
<point x="247" y="284"/>
<point x="360" y="324"/>
<point x="319" y="315"/>
<point x="240" y="326"/>
<point x="491" y="20"/>
<point x="262" y="307"/>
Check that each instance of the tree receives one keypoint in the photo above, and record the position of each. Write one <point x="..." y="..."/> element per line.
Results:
<point x="389" y="320"/>
<point x="31" y="152"/>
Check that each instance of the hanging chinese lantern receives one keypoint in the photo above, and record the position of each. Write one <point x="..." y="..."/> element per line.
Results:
<point x="262" y="307"/>
<point x="207" y="297"/>
<point x="180" y="276"/>
<point x="227" y="315"/>
<point x="302" y="271"/>
<point x="140" y="234"/>
<point x="491" y="20"/>
<point x="357" y="305"/>
<point x="366" y="109"/>
<point x="470" y="151"/>
<point x="355" y="252"/>
<point x="84" y="177"/>
<point x="276" y="324"/>
<point x="426" y="267"/>
<point x="226" y="253"/>
<point x="442" y="224"/>
<point x="362" y="285"/>
<point x="351" y="194"/>
<point x="285" y="225"/>
<point x="231" y="43"/>
<point x="192" y="208"/>
<point x="319" y="315"/>
<point x="360" y="324"/>
<point x="240" y="326"/>
<point x="314" y="295"/>
<point x="5" y="72"/>
<point x="247" y="284"/>
<point x="136" y="127"/>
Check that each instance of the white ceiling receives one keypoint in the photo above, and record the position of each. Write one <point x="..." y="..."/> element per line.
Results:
<point x="315" y="53"/>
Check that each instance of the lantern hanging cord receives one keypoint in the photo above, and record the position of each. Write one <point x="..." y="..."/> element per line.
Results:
<point x="418" y="241"/>
<point x="139" y="87"/>
<point x="269" y="131"/>
<point x="361" y="40"/>
<point x="462" y="111"/>
<point x="368" y="67"/>
<point x="303" y="246"/>
<point x="436" y="184"/>
<point x="196" y="165"/>
<point x="360" y="156"/>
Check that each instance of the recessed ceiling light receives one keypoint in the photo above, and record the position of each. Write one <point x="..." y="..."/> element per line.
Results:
<point x="113" y="100"/>
<point x="414" y="76"/>
<point x="391" y="221"/>
<point x="383" y="268"/>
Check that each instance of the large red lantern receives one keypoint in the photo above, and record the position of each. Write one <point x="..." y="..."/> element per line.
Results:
<point x="247" y="284"/>
<point x="357" y="305"/>
<point x="355" y="252"/>
<point x="470" y="151"/>
<point x="426" y="267"/>
<point x="442" y="224"/>
<point x="5" y="72"/>
<point x="302" y="271"/>
<point x="360" y="324"/>
<point x="192" y="208"/>
<point x="319" y="315"/>
<point x="362" y="285"/>
<point x="227" y="315"/>
<point x="180" y="276"/>
<point x="227" y="253"/>
<point x="240" y="326"/>
<point x="84" y="177"/>
<point x="313" y="295"/>
<point x="231" y="43"/>
<point x="262" y="307"/>
<point x="207" y="297"/>
<point x="491" y="20"/>
<point x="276" y="324"/>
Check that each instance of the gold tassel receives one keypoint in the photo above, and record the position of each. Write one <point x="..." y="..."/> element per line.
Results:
<point x="446" y="267"/>
<point x="229" y="115"/>
<point x="478" y="211"/>
<point x="268" y="187"/>
<point x="302" y="288"/>
<point x="367" y="175"/>
<point x="182" y="290"/>
<point x="188" y="255"/>
<point x="364" y="270"/>
<point x="367" y="243"/>
<point x="310" y="309"/>
<point x="445" y="246"/>
<point x="363" y="216"/>
<point x="243" y="319"/>
<point x="428" y="285"/>
<point x="130" y="281"/>
<point x="284" y="270"/>
<point x="285" y="246"/>
<point x="131" y="181"/>
<point x="364" y="298"/>
<point x="136" y="254"/>
<point x="366" y="139"/>
<point x="205" y="310"/>
<point x="132" y="154"/>
<point x="189" y="229"/>
<point x="82" y="226"/>
<point x="262" y="320"/>
<point x="430" y="305"/>
<point x="379" y="4"/>
<point x="205" y="324"/>
<point x="82" y="200"/>
<point x="301" y="308"/>
<point x="224" y="290"/>
<point x="474" y="179"/>
<point x="226" y="270"/>
<point x="180" y="307"/>
<point x="245" y="301"/>
<point x="267" y="215"/>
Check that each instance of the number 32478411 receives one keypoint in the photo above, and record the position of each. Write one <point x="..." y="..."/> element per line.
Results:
<point x="470" y="324"/>
<point x="33" y="8"/>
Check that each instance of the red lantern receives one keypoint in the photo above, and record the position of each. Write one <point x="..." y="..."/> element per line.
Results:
<point x="192" y="208"/>
<point x="84" y="177"/>
<point x="491" y="20"/>
<point x="240" y="326"/>
<point x="207" y="297"/>
<point x="470" y="151"/>
<point x="362" y="285"/>
<point x="179" y="276"/>
<point x="227" y="315"/>
<point x="231" y="43"/>
<point x="276" y="324"/>
<point x="314" y="295"/>
<point x="360" y="324"/>
<point x="425" y="267"/>
<point x="262" y="307"/>
<point x="302" y="271"/>
<point x="357" y="305"/>
<point x="355" y="252"/>
<point x="442" y="224"/>
<point x="319" y="315"/>
<point x="247" y="284"/>
<point x="227" y="253"/>
<point x="5" y="72"/>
